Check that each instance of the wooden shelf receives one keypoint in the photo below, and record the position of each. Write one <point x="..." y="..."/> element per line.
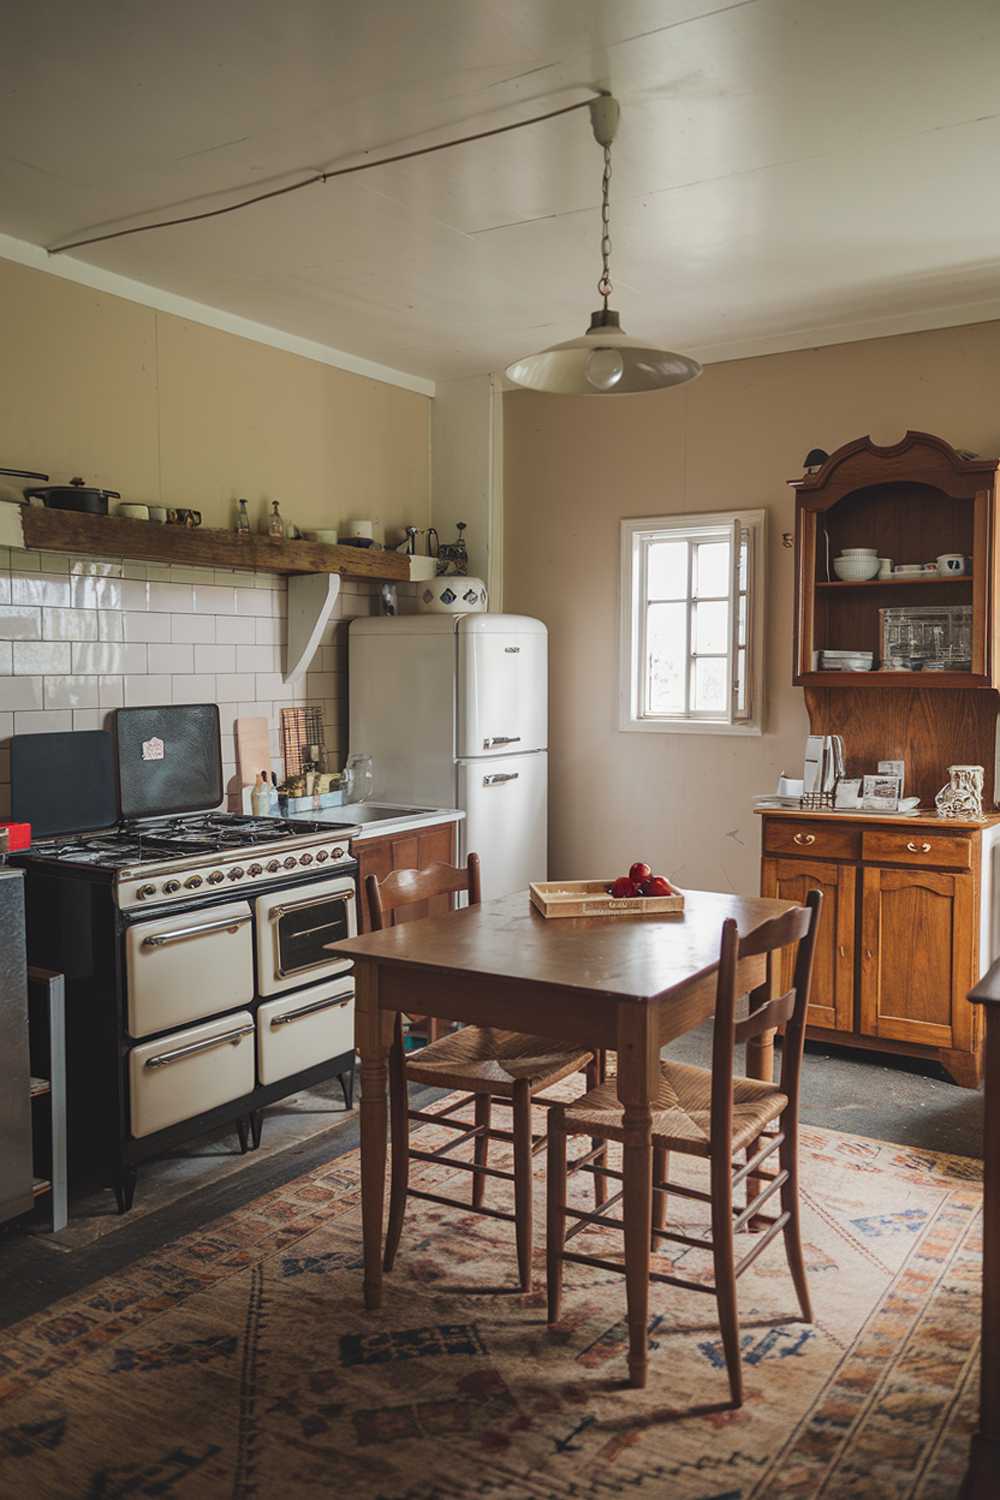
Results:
<point x="148" y="541"/>
<point x="894" y="583"/>
<point x="892" y="679"/>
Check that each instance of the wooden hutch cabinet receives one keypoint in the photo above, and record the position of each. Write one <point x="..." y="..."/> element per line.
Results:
<point x="906" y="926"/>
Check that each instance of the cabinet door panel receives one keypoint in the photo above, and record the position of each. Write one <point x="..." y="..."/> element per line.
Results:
<point x="918" y="956"/>
<point x="832" y="997"/>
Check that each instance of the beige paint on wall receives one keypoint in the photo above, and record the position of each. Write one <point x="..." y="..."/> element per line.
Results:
<point x="575" y="466"/>
<point x="177" y="413"/>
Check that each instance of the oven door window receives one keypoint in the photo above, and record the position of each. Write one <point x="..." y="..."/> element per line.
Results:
<point x="304" y="928"/>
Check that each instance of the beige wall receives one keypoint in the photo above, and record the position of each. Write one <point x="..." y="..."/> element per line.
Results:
<point x="575" y="466"/>
<point x="180" y="414"/>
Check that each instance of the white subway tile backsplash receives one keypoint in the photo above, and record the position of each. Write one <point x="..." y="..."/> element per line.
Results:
<point x="108" y="656"/>
<point x="144" y="626"/>
<point x="195" y="629"/>
<point x="270" y="631"/>
<point x="95" y="593"/>
<point x="233" y="630"/>
<point x="88" y="718"/>
<point x="42" y="722"/>
<point x="20" y="692"/>
<point x="69" y="624"/>
<point x="29" y="588"/>
<point x="41" y="656"/>
<point x="135" y="595"/>
<point x="172" y="598"/>
<point x="213" y="599"/>
<point x="110" y="625"/>
<point x="169" y="658"/>
<point x="255" y="602"/>
<point x="4" y="588"/>
<point x="258" y="658"/>
<point x="6" y="658"/>
<point x="71" y="692"/>
<point x="96" y="569"/>
<point x="215" y="658"/>
<point x="234" y="686"/>
<point x="20" y="622"/>
<point x="199" y="688"/>
<point x="273" y="685"/>
<point x="111" y="692"/>
<point x="144" y="691"/>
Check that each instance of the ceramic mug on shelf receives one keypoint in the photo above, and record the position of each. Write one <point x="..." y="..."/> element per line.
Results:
<point x="951" y="564"/>
<point x="885" y="567"/>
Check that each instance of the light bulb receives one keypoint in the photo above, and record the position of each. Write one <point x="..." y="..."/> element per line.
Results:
<point x="604" y="369"/>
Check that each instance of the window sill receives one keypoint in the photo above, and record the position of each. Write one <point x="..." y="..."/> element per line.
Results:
<point x="687" y="726"/>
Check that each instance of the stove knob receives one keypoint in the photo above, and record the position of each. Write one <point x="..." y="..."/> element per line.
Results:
<point x="273" y="867"/>
<point x="171" y="887"/>
<point x="216" y="877"/>
<point x="255" y="870"/>
<point x="305" y="859"/>
<point x="322" y="855"/>
<point x="146" y="890"/>
<point x="338" y="853"/>
<point x="236" y="873"/>
<point x="193" y="882"/>
<point x="290" y="862"/>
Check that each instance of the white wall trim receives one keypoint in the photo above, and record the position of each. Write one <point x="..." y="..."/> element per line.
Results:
<point x="99" y="280"/>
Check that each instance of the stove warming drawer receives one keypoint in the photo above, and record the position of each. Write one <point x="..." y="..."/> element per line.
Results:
<point x="305" y="1029"/>
<point x="188" y="965"/>
<point x="190" y="1071"/>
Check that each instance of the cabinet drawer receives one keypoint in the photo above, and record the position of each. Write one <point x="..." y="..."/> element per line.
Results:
<point x="304" y="1029"/>
<point x="190" y="1071"/>
<point x="818" y="840"/>
<point x="917" y="847"/>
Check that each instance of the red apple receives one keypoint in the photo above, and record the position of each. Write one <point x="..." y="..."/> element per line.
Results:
<point x="639" y="872"/>
<point x="624" y="886"/>
<point x="657" y="886"/>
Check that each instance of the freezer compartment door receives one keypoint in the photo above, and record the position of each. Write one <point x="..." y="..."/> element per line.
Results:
<point x="503" y="692"/>
<point x="506" y="820"/>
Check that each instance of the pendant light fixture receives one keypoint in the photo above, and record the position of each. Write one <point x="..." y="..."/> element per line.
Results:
<point x="604" y="361"/>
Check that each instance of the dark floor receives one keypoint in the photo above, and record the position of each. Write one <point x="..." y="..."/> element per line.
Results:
<point x="887" y="1098"/>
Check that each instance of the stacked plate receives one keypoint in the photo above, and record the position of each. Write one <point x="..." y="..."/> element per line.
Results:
<point x="846" y="661"/>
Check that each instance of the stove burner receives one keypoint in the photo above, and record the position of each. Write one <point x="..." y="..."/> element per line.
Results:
<point x="140" y="842"/>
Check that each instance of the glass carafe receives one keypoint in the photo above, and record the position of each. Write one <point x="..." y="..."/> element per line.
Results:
<point x="360" y="777"/>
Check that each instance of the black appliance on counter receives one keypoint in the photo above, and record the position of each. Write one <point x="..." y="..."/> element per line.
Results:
<point x="194" y="942"/>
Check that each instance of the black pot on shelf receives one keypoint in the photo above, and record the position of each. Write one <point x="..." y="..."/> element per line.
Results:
<point x="73" y="496"/>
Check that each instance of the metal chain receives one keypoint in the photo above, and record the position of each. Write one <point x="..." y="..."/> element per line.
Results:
<point x="604" y="286"/>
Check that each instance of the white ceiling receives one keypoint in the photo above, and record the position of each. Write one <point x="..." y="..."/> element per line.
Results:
<point x="788" y="172"/>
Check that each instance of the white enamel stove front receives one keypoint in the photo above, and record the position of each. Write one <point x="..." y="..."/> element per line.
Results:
<point x="181" y="879"/>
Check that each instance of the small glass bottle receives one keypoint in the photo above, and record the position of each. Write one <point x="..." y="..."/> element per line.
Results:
<point x="275" y="525"/>
<point x="243" y="523"/>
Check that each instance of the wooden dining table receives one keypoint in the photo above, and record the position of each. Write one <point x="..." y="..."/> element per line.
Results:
<point x="625" y="984"/>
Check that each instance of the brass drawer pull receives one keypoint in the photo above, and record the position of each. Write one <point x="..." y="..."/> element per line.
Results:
<point x="923" y="848"/>
<point x="804" y="838"/>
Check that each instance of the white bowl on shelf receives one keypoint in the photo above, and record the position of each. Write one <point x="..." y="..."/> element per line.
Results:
<point x="856" y="569"/>
<point x="859" y="552"/>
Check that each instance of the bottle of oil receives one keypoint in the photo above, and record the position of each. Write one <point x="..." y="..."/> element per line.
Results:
<point x="275" y="525"/>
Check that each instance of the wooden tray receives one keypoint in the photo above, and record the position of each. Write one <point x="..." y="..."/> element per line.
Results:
<point x="589" y="898"/>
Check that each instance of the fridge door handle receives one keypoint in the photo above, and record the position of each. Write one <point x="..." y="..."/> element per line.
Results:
<point x="501" y="739"/>
<point x="499" y="777"/>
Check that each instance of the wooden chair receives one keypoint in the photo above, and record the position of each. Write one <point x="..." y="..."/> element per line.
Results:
<point x="711" y="1114"/>
<point x="490" y="1066"/>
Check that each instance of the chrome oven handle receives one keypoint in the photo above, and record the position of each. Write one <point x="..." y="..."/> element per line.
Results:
<point x="310" y="1010"/>
<point x="282" y="911"/>
<point x="499" y="777"/>
<point x="233" y="1037"/>
<point x="501" y="739"/>
<point x="223" y="924"/>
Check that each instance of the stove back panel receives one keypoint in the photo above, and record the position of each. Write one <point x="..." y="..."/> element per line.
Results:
<point x="64" y="782"/>
<point x="169" y="759"/>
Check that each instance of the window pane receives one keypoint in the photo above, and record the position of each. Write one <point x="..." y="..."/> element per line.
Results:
<point x="665" y="644"/>
<point x="744" y="559"/>
<point x="741" y="682"/>
<point x="711" y="628"/>
<point x="743" y="620"/>
<point x="710" y="684"/>
<point x="712" y="570"/>
<point x="666" y="570"/>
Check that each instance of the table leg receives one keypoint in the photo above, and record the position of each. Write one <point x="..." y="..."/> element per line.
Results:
<point x="373" y="1029"/>
<point x="638" y="1070"/>
<point x="984" y="1460"/>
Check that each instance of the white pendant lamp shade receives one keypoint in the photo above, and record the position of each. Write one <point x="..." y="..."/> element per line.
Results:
<point x="604" y="361"/>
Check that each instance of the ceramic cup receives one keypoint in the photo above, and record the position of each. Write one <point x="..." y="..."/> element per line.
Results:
<point x="363" y="529"/>
<point x="885" y="567"/>
<point x="158" y="513"/>
<point x="132" y="511"/>
<point x="950" y="564"/>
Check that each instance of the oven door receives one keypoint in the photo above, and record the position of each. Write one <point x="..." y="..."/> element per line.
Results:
<point x="188" y="965"/>
<point x="294" y="927"/>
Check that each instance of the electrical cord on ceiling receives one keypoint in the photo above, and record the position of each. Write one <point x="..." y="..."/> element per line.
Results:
<point x="320" y="177"/>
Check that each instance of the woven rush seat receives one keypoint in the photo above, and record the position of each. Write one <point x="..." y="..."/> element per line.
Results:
<point x="480" y="1057"/>
<point x="681" y="1110"/>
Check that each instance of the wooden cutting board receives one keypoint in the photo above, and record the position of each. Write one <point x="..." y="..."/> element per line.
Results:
<point x="253" y="748"/>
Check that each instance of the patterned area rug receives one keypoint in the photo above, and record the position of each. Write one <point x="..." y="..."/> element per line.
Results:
<point x="240" y="1362"/>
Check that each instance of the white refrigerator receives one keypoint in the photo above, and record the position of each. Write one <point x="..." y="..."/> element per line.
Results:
<point x="454" y="711"/>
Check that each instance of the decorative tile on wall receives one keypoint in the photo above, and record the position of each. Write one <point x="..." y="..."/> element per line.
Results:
<point x="81" y="637"/>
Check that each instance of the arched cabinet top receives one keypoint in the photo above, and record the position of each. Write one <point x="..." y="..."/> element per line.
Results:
<point x="918" y="458"/>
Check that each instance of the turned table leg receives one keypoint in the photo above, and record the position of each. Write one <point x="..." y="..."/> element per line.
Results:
<point x="638" y="1070"/>
<point x="373" y="1029"/>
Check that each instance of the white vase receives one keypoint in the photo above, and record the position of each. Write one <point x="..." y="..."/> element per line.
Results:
<point x="963" y="796"/>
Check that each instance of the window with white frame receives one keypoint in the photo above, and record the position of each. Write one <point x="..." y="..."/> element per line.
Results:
<point x="692" y="622"/>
